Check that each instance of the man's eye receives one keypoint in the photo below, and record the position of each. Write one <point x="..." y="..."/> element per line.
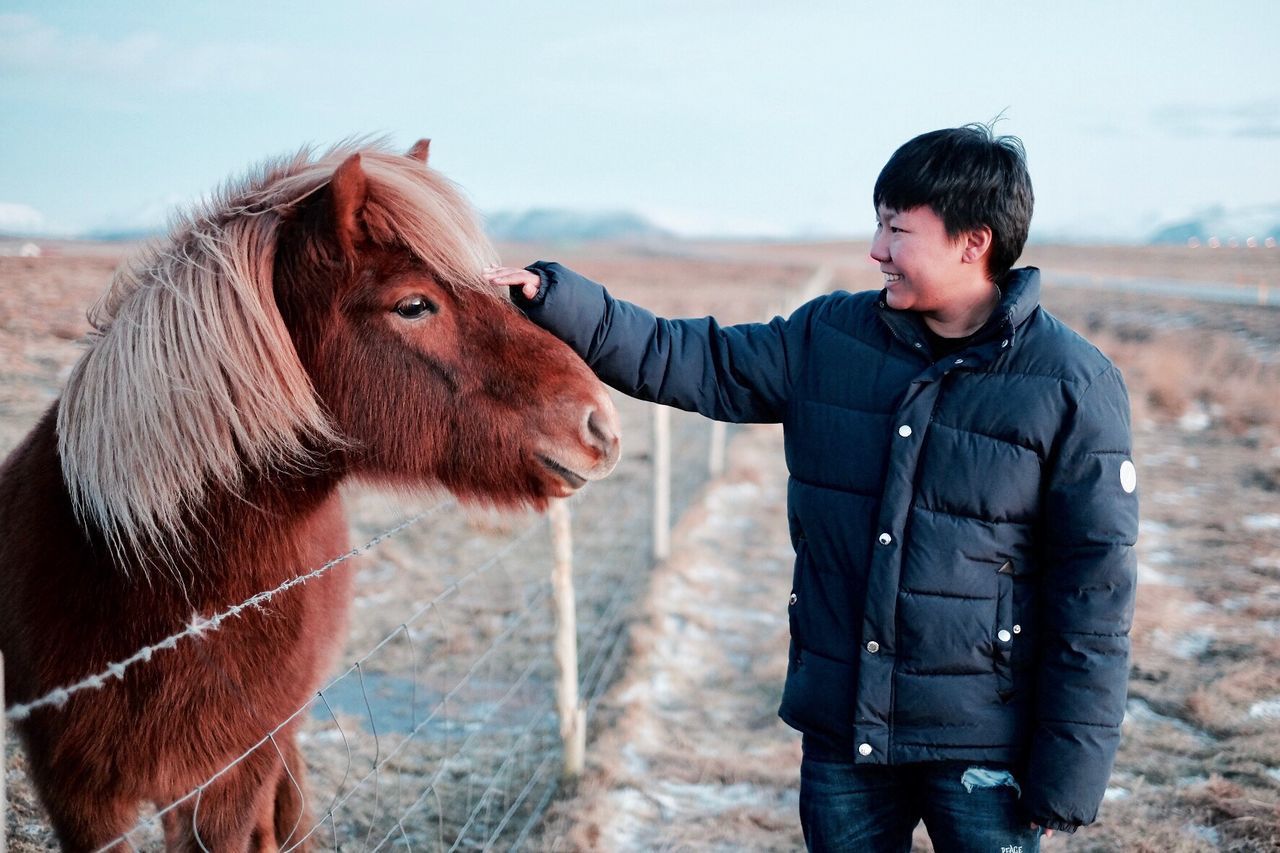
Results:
<point x="415" y="307"/>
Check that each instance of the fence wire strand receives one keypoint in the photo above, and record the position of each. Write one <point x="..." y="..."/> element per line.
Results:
<point x="199" y="626"/>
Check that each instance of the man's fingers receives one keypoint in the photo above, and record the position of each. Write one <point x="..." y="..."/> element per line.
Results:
<point x="511" y="277"/>
<point x="508" y="275"/>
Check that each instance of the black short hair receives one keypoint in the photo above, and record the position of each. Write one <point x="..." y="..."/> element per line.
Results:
<point x="969" y="177"/>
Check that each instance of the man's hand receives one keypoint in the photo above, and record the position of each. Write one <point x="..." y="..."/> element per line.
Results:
<point x="511" y="277"/>
<point x="1048" y="833"/>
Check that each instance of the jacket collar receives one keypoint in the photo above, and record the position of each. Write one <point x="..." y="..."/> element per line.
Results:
<point x="1020" y="297"/>
<point x="1021" y="289"/>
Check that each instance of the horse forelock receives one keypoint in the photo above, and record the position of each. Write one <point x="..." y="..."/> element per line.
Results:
<point x="421" y="210"/>
<point x="191" y="378"/>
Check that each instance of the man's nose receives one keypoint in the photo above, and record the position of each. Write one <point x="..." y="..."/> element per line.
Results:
<point x="879" y="249"/>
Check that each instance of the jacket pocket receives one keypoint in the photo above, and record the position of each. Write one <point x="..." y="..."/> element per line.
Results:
<point x="1004" y="637"/>
<point x="797" y="580"/>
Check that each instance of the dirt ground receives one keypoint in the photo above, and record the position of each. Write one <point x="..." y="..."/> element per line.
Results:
<point x="694" y="756"/>
<point x="686" y="751"/>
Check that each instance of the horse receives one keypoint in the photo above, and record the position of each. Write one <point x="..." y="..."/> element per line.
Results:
<point x="322" y="318"/>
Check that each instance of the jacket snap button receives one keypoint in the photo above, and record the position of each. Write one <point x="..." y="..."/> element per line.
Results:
<point x="873" y="647"/>
<point x="1004" y="343"/>
<point x="959" y="361"/>
<point x="864" y="749"/>
<point x="1017" y="629"/>
<point x="792" y="599"/>
<point x="1004" y="636"/>
<point x="904" y="431"/>
<point x="885" y="539"/>
<point x="919" y="345"/>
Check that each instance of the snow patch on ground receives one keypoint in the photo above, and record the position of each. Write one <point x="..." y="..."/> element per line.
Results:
<point x="1205" y="833"/>
<point x="1195" y="420"/>
<point x="1266" y="521"/>
<point x="1148" y="575"/>
<point x="1148" y="528"/>
<point x="1193" y="644"/>
<point x="1138" y="712"/>
<point x="1268" y="709"/>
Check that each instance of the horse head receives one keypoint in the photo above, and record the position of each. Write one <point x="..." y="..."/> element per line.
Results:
<point x="427" y="373"/>
<point x="326" y="316"/>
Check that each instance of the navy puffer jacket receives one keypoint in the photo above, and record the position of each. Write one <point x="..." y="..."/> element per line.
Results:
<point x="964" y="529"/>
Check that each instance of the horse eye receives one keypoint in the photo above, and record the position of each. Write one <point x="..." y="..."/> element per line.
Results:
<point x="413" y="307"/>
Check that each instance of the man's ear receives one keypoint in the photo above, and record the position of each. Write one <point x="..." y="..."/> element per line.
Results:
<point x="349" y="189"/>
<point x="977" y="243"/>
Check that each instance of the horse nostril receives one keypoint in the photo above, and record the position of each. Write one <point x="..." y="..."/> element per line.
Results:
<point x="593" y="427"/>
<point x="601" y="430"/>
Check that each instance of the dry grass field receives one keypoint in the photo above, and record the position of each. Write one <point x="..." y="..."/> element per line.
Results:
<point x="686" y="753"/>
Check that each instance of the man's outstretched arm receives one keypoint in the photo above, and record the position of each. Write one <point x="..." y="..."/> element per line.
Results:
<point x="733" y="373"/>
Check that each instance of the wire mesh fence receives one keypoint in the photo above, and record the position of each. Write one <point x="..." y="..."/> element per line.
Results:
<point x="441" y="733"/>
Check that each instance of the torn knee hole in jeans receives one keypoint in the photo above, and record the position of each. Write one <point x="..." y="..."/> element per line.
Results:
<point x="987" y="777"/>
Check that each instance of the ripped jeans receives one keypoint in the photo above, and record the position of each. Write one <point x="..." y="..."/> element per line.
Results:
<point x="873" y="808"/>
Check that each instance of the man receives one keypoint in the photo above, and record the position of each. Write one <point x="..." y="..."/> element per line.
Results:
<point x="962" y="502"/>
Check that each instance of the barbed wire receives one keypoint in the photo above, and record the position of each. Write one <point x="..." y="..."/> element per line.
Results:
<point x="199" y="626"/>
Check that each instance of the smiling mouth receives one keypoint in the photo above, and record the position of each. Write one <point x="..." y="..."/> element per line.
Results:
<point x="572" y="479"/>
<point x="892" y="277"/>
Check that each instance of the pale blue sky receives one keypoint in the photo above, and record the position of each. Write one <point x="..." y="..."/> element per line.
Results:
<point x="706" y="115"/>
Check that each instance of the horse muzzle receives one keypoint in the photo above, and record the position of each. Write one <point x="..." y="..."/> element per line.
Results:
<point x="593" y="452"/>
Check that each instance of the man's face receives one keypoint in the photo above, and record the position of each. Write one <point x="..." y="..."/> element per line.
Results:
<point x="922" y="266"/>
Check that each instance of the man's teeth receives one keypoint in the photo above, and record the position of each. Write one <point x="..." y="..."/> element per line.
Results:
<point x="892" y="277"/>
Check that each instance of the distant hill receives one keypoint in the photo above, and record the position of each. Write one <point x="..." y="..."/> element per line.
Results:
<point x="122" y="235"/>
<point x="1259" y="222"/>
<point x="551" y="225"/>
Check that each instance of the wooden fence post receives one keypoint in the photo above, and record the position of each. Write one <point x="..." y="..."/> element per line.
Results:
<point x="661" y="482"/>
<point x="573" y="715"/>
<point x="715" y="465"/>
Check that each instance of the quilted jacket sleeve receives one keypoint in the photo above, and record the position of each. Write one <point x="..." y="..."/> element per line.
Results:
<point x="740" y="373"/>
<point x="1091" y="524"/>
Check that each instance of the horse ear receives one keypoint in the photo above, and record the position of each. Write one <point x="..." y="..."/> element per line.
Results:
<point x="419" y="150"/>
<point x="349" y="188"/>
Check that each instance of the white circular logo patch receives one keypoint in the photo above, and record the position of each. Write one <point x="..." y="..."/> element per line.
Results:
<point x="1128" y="476"/>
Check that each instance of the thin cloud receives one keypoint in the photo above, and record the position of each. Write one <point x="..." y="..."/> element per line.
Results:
<point x="1248" y="119"/>
<point x="30" y="46"/>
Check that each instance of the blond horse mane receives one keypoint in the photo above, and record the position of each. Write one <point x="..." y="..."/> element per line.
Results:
<point x="190" y="377"/>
